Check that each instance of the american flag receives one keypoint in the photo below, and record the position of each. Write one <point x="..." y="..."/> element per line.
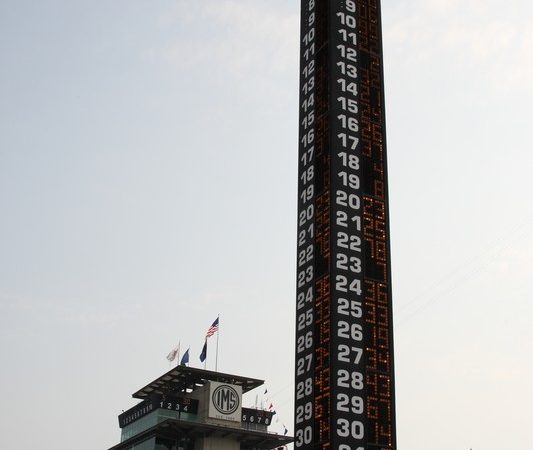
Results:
<point x="212" y="329"/>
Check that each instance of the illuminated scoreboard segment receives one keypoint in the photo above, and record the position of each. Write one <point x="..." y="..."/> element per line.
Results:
<point x="344" y="397"/>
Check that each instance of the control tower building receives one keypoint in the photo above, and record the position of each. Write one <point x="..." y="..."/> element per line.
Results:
<point x="194" y="409"/>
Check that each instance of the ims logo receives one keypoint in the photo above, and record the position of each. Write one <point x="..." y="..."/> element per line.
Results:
<point x="225" y="399"/>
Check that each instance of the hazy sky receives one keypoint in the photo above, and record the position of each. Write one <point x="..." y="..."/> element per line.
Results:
<point x="148" y="155"/>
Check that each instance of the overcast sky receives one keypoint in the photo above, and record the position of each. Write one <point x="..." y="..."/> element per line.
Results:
<point x="148" y="179"/>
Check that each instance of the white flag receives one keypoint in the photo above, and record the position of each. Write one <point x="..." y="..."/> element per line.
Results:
<point x="173" y="353"/>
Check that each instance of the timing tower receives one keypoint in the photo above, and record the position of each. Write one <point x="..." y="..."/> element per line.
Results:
<point x="344" y="396"/>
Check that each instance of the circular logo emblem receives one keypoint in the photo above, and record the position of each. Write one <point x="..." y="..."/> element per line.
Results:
<point x="225" y="399"/>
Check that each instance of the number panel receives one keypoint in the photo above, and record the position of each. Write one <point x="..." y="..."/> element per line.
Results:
<point x="308" y="257"/>
<point x="348" y="354"/>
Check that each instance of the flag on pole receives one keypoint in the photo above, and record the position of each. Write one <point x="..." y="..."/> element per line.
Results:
<point x="185" y="358"/>
<point x="212" y="329"/>
<point x="285" y="431"/>
<point x="173" y="353"/>
<point x="203" y="355"/>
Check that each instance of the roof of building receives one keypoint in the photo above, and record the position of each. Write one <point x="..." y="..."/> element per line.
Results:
<point x="172" y="428"/>
<point x="182" y="379"/>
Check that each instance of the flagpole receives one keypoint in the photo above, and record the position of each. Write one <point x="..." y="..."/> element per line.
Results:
<point x="178" y="358"/>
<point x="218" y="334"/>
